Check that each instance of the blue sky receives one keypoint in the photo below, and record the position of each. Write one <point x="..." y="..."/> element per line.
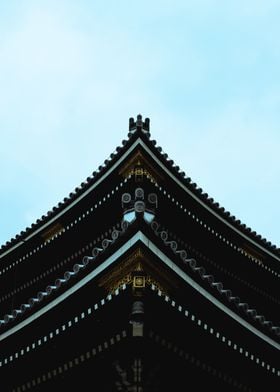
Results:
<point x="207" y="73"/>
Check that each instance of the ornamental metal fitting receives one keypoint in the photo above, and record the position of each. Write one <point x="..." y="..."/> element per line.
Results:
<point x="139" y="125"/>
<point x="138" y="205"/>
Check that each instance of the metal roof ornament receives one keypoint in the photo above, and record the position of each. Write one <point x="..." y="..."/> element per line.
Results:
<point x="139" y="125"/>
<point x="139" y="205"/>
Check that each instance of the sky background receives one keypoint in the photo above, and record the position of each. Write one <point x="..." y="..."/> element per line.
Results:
<point x="207" y="74"/>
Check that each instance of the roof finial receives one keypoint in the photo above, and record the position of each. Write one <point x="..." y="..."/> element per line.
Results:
<point x="139" y="122"/>
<point x="139" y="125"/>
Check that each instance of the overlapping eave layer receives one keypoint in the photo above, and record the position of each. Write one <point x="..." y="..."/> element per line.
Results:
<point x="224" y="294"/>
<point x="108" y="163"/>
<point x="206" y="324"/>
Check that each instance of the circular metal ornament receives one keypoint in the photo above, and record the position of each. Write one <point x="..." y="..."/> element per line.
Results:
<point x="139" y="206"/>
<point x="126" y="197"/>
<point x="139" y="193"/>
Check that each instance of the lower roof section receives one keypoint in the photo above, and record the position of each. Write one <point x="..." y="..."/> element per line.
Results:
<point x="91" y="345"/>
<point x="143" y="240"/>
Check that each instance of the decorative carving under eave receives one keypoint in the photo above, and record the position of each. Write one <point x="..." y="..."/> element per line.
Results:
<point x="138" y="271"/>
<point x="138" y="166"/>
<point x="253" y="253"/>
<point x="138" y="205"/>
<point x="52" y="232"/>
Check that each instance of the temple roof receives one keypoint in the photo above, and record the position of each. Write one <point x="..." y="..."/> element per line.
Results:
<point x="121" y="240"/>
<point x="140" y="228"/>
<point x="138" y="129"/>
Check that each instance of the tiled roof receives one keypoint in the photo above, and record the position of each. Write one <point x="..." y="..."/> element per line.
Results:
<point x="67" y="200"/>
<point x="183" y="258"/>
<point x="211" y="280"/>
<point x="64" y="280"/>
<point x="142" y="129"/>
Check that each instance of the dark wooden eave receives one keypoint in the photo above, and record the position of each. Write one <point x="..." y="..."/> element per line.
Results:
<point x="139" y="148"/>
<point x="160" y="166"/>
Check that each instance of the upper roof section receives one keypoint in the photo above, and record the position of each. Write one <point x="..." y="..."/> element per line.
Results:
<point x="138" y="136"/>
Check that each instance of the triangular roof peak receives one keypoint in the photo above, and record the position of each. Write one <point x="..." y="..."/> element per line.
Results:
<point x="122" y="160"/>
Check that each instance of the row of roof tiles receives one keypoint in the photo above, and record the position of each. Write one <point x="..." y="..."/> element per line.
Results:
<point x="68" y="275"/>
<point x="142" y="131"/>
<point x="182" y="254"/>
<point x="212" y="281"/>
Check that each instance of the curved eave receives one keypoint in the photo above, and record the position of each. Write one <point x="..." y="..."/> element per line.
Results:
<point x="141" y="139"/>
<point x="138" y="238"/>
<point x="74" y="198"/>
<point x="205" y="201"/>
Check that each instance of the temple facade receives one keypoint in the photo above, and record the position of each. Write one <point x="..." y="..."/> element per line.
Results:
<point x="139" y="281"/>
